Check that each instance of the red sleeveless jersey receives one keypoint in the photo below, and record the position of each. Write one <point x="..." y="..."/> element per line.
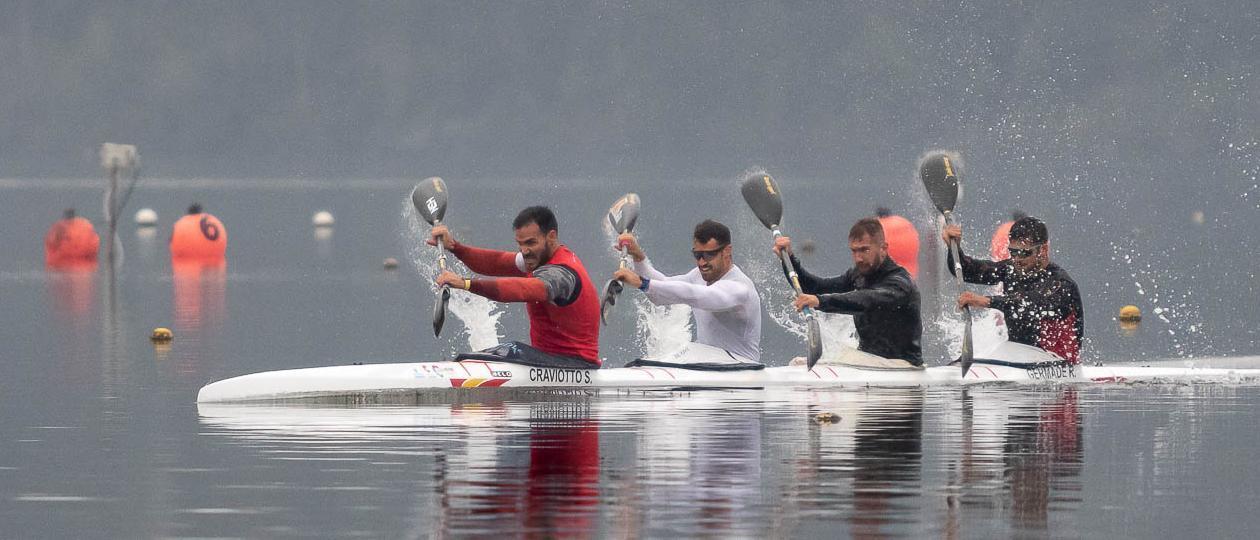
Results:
<point x="571" y="330"/>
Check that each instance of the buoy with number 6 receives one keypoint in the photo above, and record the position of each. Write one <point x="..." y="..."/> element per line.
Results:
<point x="199" y="236"/>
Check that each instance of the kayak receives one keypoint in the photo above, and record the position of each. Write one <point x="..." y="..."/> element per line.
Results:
<point x="1011" y="362"/>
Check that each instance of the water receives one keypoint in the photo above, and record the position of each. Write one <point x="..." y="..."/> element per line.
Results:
<point x="100" y="435"/>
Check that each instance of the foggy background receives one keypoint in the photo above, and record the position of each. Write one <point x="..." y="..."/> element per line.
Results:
<point x="1114" y="121"/>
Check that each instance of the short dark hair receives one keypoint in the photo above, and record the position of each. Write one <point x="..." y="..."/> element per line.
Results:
<point x="1029" y="229"/>
<point x="711" y="230"/>
<point x="538" y="215"/>
<point x="867" y="226"/>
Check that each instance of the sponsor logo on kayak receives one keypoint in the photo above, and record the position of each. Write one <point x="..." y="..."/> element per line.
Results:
<point x="477" y="383"/>
<point x="1052" y="371"/>
<point x="560" y="376"/>
<point x="432" y="371"/>
<point x="504" y="374"/>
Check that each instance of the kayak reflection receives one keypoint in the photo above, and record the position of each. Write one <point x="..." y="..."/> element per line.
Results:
<point x="738" y="463"/>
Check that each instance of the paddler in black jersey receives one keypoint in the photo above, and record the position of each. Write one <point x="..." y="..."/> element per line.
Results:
<point x="1040" y="302"/>
<point x="877" y="291"/>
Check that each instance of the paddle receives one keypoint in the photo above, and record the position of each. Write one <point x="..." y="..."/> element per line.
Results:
<point x="429" y="198"/>
<point x="622" y="216"/>
<point x="937" y="173"/>
<point x="762" y="196"/>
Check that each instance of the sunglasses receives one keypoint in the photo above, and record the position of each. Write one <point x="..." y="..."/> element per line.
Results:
<point x="707" y="255"/>
<point x="1017" y="253"/>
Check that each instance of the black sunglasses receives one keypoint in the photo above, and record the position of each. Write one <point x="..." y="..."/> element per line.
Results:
<point x="707" y="255"/>
<point x="1017" y="253"/>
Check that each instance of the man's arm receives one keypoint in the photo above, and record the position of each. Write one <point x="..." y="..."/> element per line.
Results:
<point x="886" y="295"/>
<point x="978" y="270"/>
<point x="811" y="284"/>
<point x="724" y="295"/>
<point x="488" y="262"/>
<point x="1052" y="300"/>
<point x="645" y="269"/>
<point x="511" y="289"/>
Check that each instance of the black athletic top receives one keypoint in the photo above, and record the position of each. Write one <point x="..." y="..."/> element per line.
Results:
<point x="884" y="305"/>
<point x="1042" y="309"/>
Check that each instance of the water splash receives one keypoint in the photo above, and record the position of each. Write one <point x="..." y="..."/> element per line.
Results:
<point x="659" y="329"/>
<point x="479" y="315"/>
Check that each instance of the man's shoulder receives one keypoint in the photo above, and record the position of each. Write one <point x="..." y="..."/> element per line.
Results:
<point x="1057" y="273"/>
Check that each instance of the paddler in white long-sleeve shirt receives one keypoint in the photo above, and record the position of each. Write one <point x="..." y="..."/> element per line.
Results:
<point x="723" y="300"/>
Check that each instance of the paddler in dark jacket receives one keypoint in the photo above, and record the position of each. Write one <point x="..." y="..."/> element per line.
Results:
<point x="878" y="293"/>
<point x="1040" y="302"/>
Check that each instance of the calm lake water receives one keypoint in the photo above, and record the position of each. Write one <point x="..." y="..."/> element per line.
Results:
<point x="100" y="435"/>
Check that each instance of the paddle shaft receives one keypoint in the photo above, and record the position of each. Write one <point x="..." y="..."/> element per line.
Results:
<point x="793" y="278"/>
<point x="955" y="251"/>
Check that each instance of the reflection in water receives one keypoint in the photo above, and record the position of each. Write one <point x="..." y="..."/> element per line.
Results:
<point x="1021" y="454"/>
<point x="543" y="481"/>
<point x="199" y="310"/>
<point x="749" y="463"/>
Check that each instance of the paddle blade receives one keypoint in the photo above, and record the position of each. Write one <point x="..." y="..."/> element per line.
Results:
<point x="429" y="198"/>
<point x="624" y="213"/>
<point x="611" y="290"/>
<point x="939" y="173"/>
<point x="814" y="335"/>
<point x="968" y="353"/>
<point x="439" y="310"/>
<point x="762" y="196"/>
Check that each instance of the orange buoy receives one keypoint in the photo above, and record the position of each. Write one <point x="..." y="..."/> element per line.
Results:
<point x="999" y="246"/>
<point x="903" y="240"/>
<point x="71" y="242"/>
<point x="199" y="236"/>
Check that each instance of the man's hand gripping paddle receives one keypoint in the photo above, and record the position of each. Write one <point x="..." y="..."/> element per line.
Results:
<point x="429" y="198"/>
<point x="938" y="175"/>
<point x="762" y="196"/>
<point x="622" y="216"/>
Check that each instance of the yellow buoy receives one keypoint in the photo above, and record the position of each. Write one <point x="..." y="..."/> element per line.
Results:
<point x="161" y="335"/>
<point x="1130" y="314"/>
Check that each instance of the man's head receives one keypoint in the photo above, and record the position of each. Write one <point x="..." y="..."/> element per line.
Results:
<point x="536" y="235"/>
<point x="1029" y="244"/>
<point x="711" y="247"/>
<point x="866" y="242"/>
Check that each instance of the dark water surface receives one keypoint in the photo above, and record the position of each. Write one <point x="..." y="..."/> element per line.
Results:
<point x="100" y="435"/>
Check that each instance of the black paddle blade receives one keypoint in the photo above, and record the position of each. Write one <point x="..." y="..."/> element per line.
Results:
<point x="940" y="176"/>
<point x="762" y="196"/>
<point x="439" y="310"/>
<point x="624" y="213"/>
<point x="611" y="290"/>
<point x="429" y="198"/>
<point x="814" y="335"/>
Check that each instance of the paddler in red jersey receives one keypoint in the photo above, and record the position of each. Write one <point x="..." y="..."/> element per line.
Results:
<point x="1041" y="302"/>
<point x="562" y="304"/>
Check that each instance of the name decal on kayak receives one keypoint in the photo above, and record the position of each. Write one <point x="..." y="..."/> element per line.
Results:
<point x="1053" y="371"/>
<point x="557" y="375"/>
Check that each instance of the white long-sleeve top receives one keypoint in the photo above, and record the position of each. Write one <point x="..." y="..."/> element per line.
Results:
<point x="727" y="313"/>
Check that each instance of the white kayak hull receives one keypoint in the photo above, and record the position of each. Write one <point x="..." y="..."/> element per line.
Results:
<point x="364" y="381"/>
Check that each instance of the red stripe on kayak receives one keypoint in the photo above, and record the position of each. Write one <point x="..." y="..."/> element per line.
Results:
<point x="494" y="382"/>
<point x="456" y="383"/>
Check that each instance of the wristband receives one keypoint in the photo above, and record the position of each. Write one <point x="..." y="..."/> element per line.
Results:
<point x="467" y="284"/>
<point x="643" y="286"/>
